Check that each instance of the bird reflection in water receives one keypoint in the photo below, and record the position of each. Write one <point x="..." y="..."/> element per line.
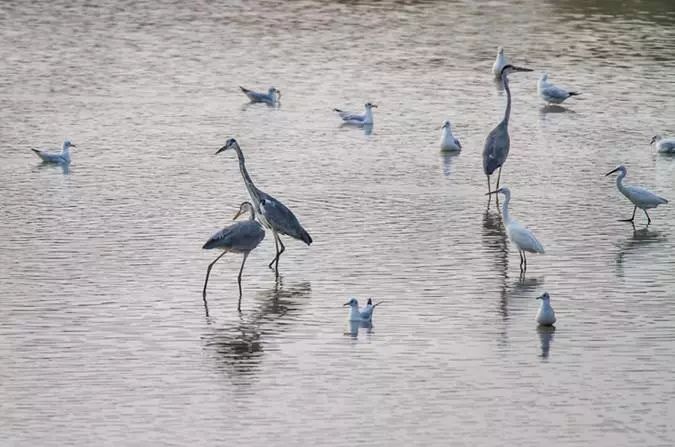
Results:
<point x="494" y="238"/>
<point x="545" y="338"/>
<point x="64" y="168"/>
<point x="640" y="238"/>
<point x="238" y="347"/>
<point x="355" y="326"/>
<point x="448" y="160"/>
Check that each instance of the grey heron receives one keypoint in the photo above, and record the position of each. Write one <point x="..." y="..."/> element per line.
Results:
<point x="271" y="98"/>
<point x="640" y="197"/>
<point x="240" y="237"/>
<point x="272" y="213"/>
<point x="358" y="118"/>
<point x="62" y="157"/>
<point x="497" y="143"/>
<point x="551" y="93"/>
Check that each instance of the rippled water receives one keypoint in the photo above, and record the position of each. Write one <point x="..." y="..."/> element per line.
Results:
<point x="103" y="338"/>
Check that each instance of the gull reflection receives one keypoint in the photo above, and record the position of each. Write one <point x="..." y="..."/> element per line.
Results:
<point x="64" y="167"/>
<point x="355" y="326"/>
<point x="545" y="338"/>
<point x="448" y="160"/>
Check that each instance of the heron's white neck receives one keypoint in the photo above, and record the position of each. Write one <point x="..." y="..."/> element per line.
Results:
<point x="505" y="209"/>
<point x="369" y="116"/>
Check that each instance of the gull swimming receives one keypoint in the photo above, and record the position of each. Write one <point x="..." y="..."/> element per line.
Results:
<point x="523" y="238"/>
<point x="500" y="63"/>
<point x="62" y="157"/>
<point x="356" y="118"/>
<point x="240" y="237"/>
<point x="550" y="92"/>
<point x="663" y="145"/>
<point x="364" y="314"/>
<point x="640" y="197"/>
<point x="271" y="98"/>
<point x="448" y="141"/>
<point x="545" y="314"/>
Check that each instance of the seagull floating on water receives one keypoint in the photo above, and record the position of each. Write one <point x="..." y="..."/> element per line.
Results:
<point x="500" y="63"/>
<point x="663" y="145"/>
<point x="550" y="92"/>
<point x="448" y="141"/>
<point x="523" y="238"/>
<point x="356" y="118"/>
<point x="640" y="197"/>
<point x="62" y="157"/>
<point x="545" y="314"/>
<point x="271" y="98"/>
<point x="365" y="314"/>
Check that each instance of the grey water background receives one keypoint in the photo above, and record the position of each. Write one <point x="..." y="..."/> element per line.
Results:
<point x="103" y="337"/>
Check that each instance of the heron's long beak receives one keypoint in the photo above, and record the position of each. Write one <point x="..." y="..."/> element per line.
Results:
<point x="239" y="213"/>
<point x="221" y="150"/>
<point x="521" y="69"/>
<point x="493" y="192"/>
<point x="611" y="172"/>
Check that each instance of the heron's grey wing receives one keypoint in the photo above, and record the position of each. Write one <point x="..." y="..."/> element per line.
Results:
<point x="496" y="148"/>
<point x="283" y="220"/>
<point x="553" y="91"/>
<point x="241" y="236"/>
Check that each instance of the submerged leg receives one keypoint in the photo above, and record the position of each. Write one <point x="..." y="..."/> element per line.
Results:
<point x="489" y="195"/>
<point x="241" y="270"/>
<point x="206" y="281"/>
<point x="648" y="219"/>
<point x="632" y="218"/>
<point x="524" y="262"/>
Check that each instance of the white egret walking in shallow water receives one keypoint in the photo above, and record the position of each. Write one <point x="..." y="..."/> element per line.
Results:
<point x="500" y="62"/>
<point x="640" y="197"/>
<point x="448" y="141"/>
<point x="365" y="314"/>
<point x="273" y="214"/>
<point x="545" y="314"/>
<point x="497" y="143"/>
<point x="358" y="118"/>
<point x="663" y="145"/>
<point x="550" y="92"/>
<point x="523" y="238"/>
<point x="62" y="157"/>
<point x="240" y="237"/>
<point x="271" y="98"/>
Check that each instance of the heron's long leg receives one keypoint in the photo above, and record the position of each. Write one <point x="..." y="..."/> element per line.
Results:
<point x="206" y="281"/>
<point x="499" y="176"/>
<point x="489" y="195"/>
<point x="632" y="218"/>
<point x="276" y="247"/>
<point x="520" y="253"/>
<point x="525" y="261"/>
<point x="283" y="249"/>
<point x="241" y="270"/>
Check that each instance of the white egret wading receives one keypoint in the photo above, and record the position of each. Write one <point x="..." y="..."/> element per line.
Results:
<point x="62" y="157"/>
<point x="272" y="213"/>
<point x="497" y="143"/>
<point x="365" y="314"/>
<point x="640" y="197"/>
<point x="550" y="92"/>
<point x="545" y="314"/>
<point x="271" y="98"/>
<point x="448" y="141"/>
<point x="240" y="237"/>
<point x="499" y="64"/>
<point x="663" y="145"/>
<point x="523" y="238"/>
<point x="358" y="118"/>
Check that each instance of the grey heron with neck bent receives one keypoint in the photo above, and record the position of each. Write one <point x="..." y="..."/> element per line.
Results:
<point x="498" y="142"/>
<point x="272" y="213"/>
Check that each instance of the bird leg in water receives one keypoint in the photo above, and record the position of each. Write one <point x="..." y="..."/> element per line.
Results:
<point x="499" y="176"/>
<point x="206" y="281"/>
<point x="276" y="248"/>
<point x="632" y="218"/>
<point x="241" y="270"/>
<point x="283" y="249"/>
<point x="520" y="253"/>
<point x="524" y="262"/>
<point x="648" y="219"/>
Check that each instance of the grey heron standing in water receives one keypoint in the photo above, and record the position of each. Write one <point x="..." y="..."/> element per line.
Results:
<point x="497" y="143"/>
<point x="273" y="214"/>
<point x="240" y="237"/>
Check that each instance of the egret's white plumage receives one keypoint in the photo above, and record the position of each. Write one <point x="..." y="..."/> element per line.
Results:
<point x="545" y="314"/>
<point x="364" y="314"/>
<point x="448" y="141"/>
<point x="523" y="238"/>
<point x="500" y="62"/>
<point x="550" y="92"/>
<point x="664" y="145"/>
<point x="62" y="157"/>
<point x="640" y="197"/>
<point x="358" y="118"/>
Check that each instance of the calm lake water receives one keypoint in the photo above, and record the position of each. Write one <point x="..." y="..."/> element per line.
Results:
<point x="103" y="337"/>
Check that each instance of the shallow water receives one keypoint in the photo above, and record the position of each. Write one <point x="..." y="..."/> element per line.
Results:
<point x="103" y="337"/>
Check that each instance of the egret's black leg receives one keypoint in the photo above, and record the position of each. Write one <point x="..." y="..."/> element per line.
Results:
<point x="520" y="252"/>
<point x="632" y="218"/>
<point x="206" y="281"/>
<point x="648" y="219"/>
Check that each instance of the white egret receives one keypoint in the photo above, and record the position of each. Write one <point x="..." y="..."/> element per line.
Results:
<point x="523" y="238"/>
<point x="550" y="92"/>
<point x="663" y="145"/>
<point x="448" y="141"/>
<point x="62" y="157"/>
<point x="640" y="197"/>
<point x="545" y="314"/>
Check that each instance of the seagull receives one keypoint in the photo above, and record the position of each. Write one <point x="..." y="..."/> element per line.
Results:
<point x="664" y="145"/>
<point x="550" y="92"/>
<point x="640" y="197"/>
<point x="500" y="62"/>
<point x="365" y="314"/>
<point x="545" y="314"/>
<point x="448" y="141"/>
<point x="355" y="118"/>
<point x="62" y="157"/>
<point x="271" y="98"/>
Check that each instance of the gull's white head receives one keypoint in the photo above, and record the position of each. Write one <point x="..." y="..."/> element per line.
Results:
<point x="352" y="303"/>
<point x="656" y="139"/>
<point x="621" y="169"/>
<point x="445" y="125"/>
<point x="500" y="51"/>
<point x="545" y="297"/>
<point x="369" y="105"/>
<point x="544" y="77"/>
<point x="68" y="144"/>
